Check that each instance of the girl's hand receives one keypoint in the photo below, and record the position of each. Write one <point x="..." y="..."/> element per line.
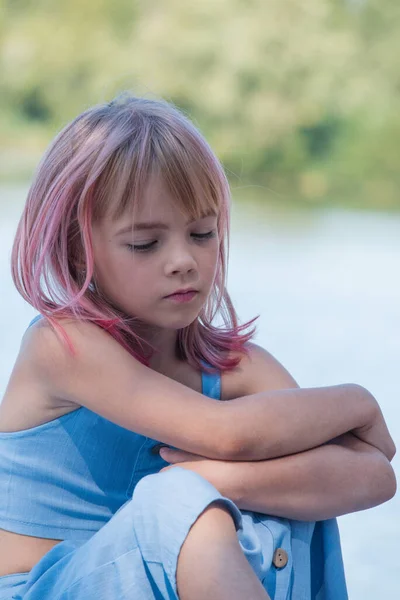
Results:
<point x="174" y="456"/>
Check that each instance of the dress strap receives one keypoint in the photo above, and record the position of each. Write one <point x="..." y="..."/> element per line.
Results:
<point x="35" y="319"/>
<point x="211" y="384"/>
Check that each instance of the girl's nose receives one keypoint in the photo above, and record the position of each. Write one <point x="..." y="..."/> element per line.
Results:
<point x="180" y="262"/>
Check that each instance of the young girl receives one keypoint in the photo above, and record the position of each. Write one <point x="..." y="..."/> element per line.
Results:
<point x="122" y="249"/>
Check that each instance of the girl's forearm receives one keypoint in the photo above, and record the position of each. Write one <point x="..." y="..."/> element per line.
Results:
<point x="344" y="476"/>
<point x="277" y="423"/>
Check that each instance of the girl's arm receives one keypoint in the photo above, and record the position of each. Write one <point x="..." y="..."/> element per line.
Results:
<point x="106" y="379"/>
<point x="342" y="476"/>
<point x="315" y="412"/>
<point x="339" y="477"/>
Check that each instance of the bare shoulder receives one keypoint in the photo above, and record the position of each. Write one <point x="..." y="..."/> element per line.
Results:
<point x="42" y="341"/>
<point x="28" y="401"/>
<point x="257" y="371"/>
<point x="53" y="356"/>
<point x="75" y="346"/>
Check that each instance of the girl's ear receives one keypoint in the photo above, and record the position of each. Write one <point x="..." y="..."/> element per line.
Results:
<point x="79" y="262"/>
<point x="78" y="269"/>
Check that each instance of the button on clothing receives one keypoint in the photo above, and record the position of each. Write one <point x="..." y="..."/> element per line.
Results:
<point x="97" y="486"/>
<point x="280" y="558"/>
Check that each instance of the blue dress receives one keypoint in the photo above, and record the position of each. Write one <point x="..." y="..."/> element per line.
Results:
<point x="95" y="485"/>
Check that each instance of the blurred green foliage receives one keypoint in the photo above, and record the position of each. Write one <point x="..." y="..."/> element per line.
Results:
<point x="299" y="99"/>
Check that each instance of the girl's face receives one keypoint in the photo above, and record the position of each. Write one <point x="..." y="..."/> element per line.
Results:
<point x="164" y="253"/>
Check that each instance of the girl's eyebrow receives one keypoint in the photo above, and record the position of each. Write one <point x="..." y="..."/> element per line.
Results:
<point x="157" y="224"/>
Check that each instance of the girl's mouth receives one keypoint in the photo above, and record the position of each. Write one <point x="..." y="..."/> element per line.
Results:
<point x="183" y="297"/>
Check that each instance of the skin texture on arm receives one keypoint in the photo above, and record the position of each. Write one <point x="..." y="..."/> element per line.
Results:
<point x="339" y="477"/>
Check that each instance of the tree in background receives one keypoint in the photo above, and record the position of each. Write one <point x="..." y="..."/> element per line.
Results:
<point x="299" y="98"/>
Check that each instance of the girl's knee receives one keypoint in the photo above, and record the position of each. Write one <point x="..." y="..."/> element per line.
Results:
<point x="174" y="487"/>
<point x="166" y="505"/>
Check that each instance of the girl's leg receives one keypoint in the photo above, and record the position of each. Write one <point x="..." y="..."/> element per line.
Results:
<point x="177" y="529"/>
<point x="211" y="563"/>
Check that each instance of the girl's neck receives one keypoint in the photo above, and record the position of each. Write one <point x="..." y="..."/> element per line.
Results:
<point x="164" y="343"/>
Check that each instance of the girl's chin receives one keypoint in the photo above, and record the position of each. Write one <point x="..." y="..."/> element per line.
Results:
<point x="163" y="324"/>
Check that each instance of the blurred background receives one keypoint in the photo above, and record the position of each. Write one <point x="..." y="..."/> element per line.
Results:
<point x="301" y="103"/>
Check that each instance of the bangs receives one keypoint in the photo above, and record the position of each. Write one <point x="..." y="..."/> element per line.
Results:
<point x="177" y="153"/>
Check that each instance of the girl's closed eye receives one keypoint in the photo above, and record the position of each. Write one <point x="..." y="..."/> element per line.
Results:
<point x="200" y="237"/>
<point x="142" y="247"/>
<point x="204" y="236"/>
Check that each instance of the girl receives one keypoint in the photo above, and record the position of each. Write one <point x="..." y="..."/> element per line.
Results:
<point x="122" y="249"/>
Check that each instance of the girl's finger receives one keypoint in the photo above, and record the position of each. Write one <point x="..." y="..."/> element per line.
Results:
<point x="173" y="456"/>
<point x="169" y="455"/>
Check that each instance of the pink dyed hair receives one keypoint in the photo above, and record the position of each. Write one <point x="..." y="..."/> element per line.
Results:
<point x="108" y="152"/>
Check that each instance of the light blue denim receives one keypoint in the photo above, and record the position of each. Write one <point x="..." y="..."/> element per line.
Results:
<point x="97" y="486"/>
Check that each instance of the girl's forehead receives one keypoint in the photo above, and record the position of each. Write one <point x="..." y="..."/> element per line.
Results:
<point x="159" y="214"/>
<point x="157" y="202"/>
<point x="155" y="196"/>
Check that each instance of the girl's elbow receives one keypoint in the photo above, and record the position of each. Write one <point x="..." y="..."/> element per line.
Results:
<point x="391" y="483"/>
<point x="394" y="450"/>
<point x="234" y="448"/>
<point x="232" y="441"/>
<point x="384" y="485"/>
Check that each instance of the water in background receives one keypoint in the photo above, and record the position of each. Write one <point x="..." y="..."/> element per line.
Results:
<point x="327" y="289"/>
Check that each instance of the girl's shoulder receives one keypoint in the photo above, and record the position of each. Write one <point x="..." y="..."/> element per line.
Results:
<point x="40" y="339"/>
<point x="257" y="371"/>
<point x="45" y="353"/>
<point x="27" y="401"/>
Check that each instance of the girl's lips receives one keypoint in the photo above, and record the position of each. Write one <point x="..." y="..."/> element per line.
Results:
<point x="184" y="297"/>
<point x="182" y="291"/>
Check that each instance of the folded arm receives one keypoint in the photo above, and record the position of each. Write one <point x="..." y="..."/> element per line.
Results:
<point x="339" y="477"/>
<point x="342" y="476"/>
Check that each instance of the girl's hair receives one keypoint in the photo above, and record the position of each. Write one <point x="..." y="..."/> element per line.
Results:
<point x="99" y="165"/>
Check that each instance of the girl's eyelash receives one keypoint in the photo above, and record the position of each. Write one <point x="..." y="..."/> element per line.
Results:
<point x="143" y="248"/>
<point x="205" y="236"/>
<point x="150" y="245"/>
